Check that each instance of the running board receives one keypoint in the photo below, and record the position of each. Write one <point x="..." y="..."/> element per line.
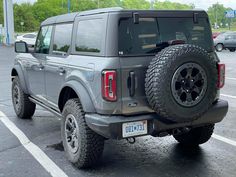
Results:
<point x="58" y="114"/>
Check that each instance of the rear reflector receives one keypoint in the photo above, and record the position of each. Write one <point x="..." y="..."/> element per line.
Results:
<point x="221" y="75"/>
<point x="109" y="85"/>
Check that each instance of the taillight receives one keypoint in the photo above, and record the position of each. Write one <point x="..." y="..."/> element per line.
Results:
<point x="109" y="85"/>
<point x="221" y="75"/>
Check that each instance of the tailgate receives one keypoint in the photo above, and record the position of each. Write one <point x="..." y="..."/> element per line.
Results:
<point x="133" y="70"/>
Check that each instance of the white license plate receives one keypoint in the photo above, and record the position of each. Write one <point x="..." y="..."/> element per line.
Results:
<point x="134" y="128"/>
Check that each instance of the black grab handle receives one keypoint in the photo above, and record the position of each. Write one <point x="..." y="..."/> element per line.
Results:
<point x="132" y="83"/>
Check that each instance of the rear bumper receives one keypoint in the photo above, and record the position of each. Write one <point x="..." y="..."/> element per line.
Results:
<point x="111" y="126"/>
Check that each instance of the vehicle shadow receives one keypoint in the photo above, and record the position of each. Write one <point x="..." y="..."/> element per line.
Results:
<point x="147" y="158"/>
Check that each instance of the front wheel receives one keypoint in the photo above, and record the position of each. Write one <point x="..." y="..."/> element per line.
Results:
<point x="219" y="47"/>
<point x="195" y="136"/>
<point x="23" y="107"/>
<point x="82" y="145"/>
<point x="232" y="49"/>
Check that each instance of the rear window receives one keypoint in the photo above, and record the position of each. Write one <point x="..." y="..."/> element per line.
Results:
<point x="148" y="36"/>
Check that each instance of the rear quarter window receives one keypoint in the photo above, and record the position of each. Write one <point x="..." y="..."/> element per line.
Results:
<point x="89" y="36"/>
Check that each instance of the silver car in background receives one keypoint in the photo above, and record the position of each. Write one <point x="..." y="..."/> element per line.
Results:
<point x="226" y="40"/>
<point x="29" y="38"/>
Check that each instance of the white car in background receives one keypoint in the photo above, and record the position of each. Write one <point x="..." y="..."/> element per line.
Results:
<point x="29" y="38"/>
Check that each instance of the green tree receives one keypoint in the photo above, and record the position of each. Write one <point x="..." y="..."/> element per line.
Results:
<point x="108" y="3"/>
<point x="23" y="13"/>
<point x="1" y="12"/>
<point x="136" y="4"/>
<point x="42" y="9"/>
<point x="217" y="14"/>
<point x="81" y="5"/>
<point x="167" y="5"/>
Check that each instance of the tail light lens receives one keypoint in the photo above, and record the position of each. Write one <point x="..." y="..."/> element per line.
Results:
<point x="109" y="85"/>
<point x="221" y="75"/>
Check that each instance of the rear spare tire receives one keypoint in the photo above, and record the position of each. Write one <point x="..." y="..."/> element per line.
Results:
<point x="181" y="82"/>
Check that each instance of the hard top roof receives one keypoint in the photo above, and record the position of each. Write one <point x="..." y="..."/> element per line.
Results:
<point x="70" y="17"/>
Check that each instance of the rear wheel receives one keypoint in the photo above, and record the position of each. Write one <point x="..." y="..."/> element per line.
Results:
<point x="23" y="107"/>
<point x="83" y="146"/>
<point x="195" y="136"/>
<point x="219" y="47"/>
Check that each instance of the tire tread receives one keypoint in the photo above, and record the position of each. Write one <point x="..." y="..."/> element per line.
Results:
<point x="157" y="73"/>
<point x="92" y="144"/>
<point x="27" y="107"/>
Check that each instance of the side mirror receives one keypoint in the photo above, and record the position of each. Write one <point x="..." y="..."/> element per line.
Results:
<point x="21" y="47"/>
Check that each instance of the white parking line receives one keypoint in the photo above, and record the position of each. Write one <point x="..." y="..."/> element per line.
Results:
<point x="226" y="140"/>
<point x="231" y="78"/>
<point x="229" y="96"/>
<point x="36" y="152"/>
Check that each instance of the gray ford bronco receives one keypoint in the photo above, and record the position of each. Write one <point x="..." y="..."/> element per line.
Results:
<point x="119" y="74"/>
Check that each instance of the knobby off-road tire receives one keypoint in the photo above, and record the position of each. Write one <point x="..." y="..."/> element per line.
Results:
<point x="23" y="107"/>
<point x="88" y="146"/>
<point x="161" y="74"/>
<point x="195" y="136"/>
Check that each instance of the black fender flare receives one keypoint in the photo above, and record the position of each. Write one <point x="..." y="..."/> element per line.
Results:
<point x="83" y="95"/>
<point x="17" y="70"/>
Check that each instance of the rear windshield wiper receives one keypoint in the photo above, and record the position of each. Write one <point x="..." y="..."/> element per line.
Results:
<point x="162" y="45"/>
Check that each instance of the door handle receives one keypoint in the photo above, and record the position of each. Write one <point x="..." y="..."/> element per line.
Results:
<point x="61" y="70"/>
<point x="131" y="83"/>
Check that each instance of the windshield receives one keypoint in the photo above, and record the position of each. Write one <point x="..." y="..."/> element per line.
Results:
<point x="150" y="34"/>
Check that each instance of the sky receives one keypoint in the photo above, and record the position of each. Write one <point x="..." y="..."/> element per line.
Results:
<point x="20" y="1"/>
<point x="203" y="4"/>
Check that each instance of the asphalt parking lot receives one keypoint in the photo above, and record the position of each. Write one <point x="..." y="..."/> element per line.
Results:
<point x="149" y="156"/>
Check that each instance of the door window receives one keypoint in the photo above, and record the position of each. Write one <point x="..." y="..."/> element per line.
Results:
<point x="30" y="36"/>
<point x="44" y="40"/>
<point x="62" y="38"/>
<point x="229" y="37"/>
